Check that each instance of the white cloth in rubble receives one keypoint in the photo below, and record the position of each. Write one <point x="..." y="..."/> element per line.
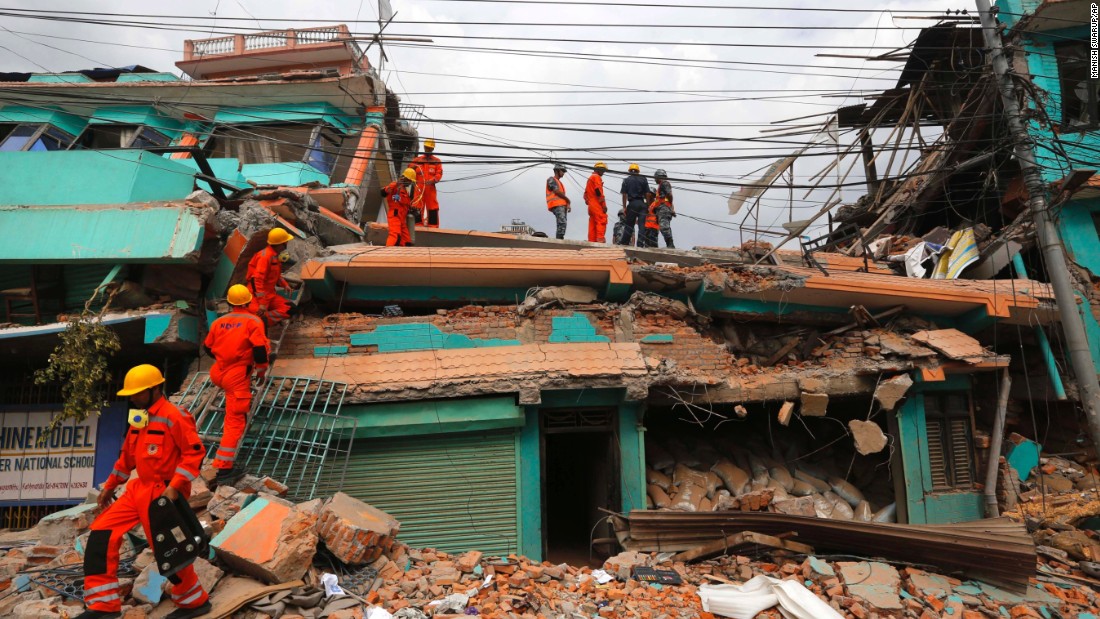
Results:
<point x="761" y="593"/>
<point x="915" y="257"/>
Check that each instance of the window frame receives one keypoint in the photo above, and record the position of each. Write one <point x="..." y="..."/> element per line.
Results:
<point x="41" y="131"/>
<point x="938" y="419"/>
<point x="1092" y="103"/>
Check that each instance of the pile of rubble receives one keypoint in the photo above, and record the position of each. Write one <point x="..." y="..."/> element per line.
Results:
<point x="340" y="558"/>
<point x="702" y="479"/>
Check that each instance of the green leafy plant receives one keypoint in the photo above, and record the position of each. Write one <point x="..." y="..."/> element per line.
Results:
<point x="79" y="363"/>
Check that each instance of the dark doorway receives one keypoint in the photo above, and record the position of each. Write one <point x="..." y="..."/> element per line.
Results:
<point x="580" y="460"/>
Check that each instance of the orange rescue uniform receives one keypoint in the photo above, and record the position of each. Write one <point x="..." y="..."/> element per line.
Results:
<point x="166" y="452"/>
<point x="597" y="209"/>
<point x="237" y="342"/>
<point x="429" y="171"/>
<point x="265" y="272"/>
<point x="398" y="202"/>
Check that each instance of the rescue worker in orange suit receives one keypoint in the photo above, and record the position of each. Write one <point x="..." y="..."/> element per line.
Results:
<point x="265" y="273"/>
<point x="556" y="200"/>
<point x="597" y="204"/>
<point x="162" y="445"/>
<point x="238" y="344"/>
<point x="398" y="201"/>
<point x="663" y="209"/>
<point x="429" y="171"/>
<point x="649" y="233"/>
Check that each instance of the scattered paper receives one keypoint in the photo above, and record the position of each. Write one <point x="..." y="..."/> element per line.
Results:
<point x="332" y="585"/>
<point x="602" y="577"/>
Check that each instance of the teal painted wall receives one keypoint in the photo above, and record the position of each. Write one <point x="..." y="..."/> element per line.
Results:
<point x="100" y="234"/>
<point x="924" y="506"/>
<point x="146" y="77"/>
<point x="157" y="325"/>
<point x="714" y="301"/>
<point x="435" y="416"/>
<point x="91" y="177"/>
<point x="61" y="120"/>
<point x="572" y="329"/>
<point x="632" y="455"/>
<point x="227" y="170"/>
<point x="138" y="115"/>
<point x="292" y="112"/>
<point x="1079" y="232"/>
<point x="330" y="351"/>
<point x="405" y="337"/>
<point x="529" y="456"/>
<point x="60" y="78"/>
<point x="329" y="290"/>
<point x="291" y="174"/>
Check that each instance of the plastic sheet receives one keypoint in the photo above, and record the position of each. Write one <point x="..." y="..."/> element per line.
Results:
<point x="761" y="593"/>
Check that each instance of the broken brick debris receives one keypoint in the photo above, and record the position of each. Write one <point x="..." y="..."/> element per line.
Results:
<point x="356" y="533"/>
<point x="426" y="583"/>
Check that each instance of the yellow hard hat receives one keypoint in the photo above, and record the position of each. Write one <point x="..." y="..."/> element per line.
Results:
<point x="140" y="378"/>
<point x="410" y="174"/>
<point x="601" y="165"/>
<point x="238" y="295"/>
<point x="429" y="143"/>
<point x="278" y="236"/>
<point x="634" y="168"/>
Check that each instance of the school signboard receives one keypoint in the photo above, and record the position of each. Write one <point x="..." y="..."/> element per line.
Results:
<point x="34" y="467"/>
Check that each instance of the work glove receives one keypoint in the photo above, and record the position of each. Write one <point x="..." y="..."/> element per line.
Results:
<point x="261" y="374"/>
<point x="106" y="497"/>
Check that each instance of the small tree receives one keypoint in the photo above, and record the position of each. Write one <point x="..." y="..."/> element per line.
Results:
<point x="79" y="363"/>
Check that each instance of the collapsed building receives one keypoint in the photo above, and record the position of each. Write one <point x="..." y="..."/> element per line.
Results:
<point x="152" y="192"/>
<point x="504" y="393"/>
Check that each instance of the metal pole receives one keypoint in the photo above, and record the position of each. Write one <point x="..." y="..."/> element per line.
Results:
<point x="1065" y="296"/>
<point x="991" y="509"/>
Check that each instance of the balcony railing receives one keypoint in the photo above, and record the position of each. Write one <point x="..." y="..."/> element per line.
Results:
<point x="263" y="41"/>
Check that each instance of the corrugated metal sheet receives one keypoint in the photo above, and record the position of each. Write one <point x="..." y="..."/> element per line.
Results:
<point x="998" y="551"/>
<point x="454" y="493"/>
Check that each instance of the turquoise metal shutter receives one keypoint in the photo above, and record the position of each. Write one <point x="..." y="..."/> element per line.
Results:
<point x="454" y="493"/>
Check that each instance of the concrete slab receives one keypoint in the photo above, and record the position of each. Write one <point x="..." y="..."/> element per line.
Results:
<point x="268" y="540"/>
<point x="922" y="584"/>
<point x="877" y="584"/>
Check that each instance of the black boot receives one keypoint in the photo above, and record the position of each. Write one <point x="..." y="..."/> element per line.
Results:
<point x="97" y="614"/>
<point x="228" y="477"/>
<point x="188" y="613"/>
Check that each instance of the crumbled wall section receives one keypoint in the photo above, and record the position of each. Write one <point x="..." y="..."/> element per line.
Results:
<point x="648" y="343"/>
<point x="690" y="350"/>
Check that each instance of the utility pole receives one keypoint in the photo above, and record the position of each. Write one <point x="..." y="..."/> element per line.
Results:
<point x="1049" y="241"/>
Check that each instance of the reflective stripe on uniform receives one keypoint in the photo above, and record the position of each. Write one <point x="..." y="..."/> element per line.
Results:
<point x="225" y="458"/>
<point x="166" y="421"/>
<point x="119" y="474"/>
<point x="187" y="474"/>
<point x="189" y="596"/>
<point x="107" y="587"/>
<point x="193" y="598"/>
<point x="188" y="592"/>
<point x="102" y="600"/>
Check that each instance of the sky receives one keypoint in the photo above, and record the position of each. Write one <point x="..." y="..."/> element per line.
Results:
<point x="713" y="89"/>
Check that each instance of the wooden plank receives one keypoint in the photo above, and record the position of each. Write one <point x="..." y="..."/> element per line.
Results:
<point x="231" y="594"/>
<point x="986" y="550"/>
<point x="740" y="540"/>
